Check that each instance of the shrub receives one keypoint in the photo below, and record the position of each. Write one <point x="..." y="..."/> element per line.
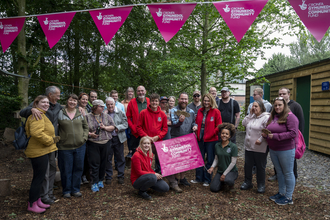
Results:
<point x="9" y="104"/>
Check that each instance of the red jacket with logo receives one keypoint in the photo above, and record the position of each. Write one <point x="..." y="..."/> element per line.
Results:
<point x="213" y="119"/>
<point x="152" y="123"/>
<point x="140" y="165"/>
<point x="132" y="115"/>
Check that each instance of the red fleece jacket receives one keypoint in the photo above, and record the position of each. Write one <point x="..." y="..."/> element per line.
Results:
<point x="132" y="115"/>
<point x="213" y="119"/>
<point x="140" y="165"/>
<point x="152" y="123"/>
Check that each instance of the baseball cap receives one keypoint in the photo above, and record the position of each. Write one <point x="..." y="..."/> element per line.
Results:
<point x="98" y="102"/>
<point x="225" y="89"/>
<point x="197" y="92"/>
<point x="163" y="98"/>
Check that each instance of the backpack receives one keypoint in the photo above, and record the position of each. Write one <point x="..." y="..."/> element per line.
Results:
<point x="300" y="145"/>
<point x="21" y="140"/>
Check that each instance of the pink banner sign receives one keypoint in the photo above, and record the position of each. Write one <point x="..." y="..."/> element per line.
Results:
<point x="9" y="29"/>
<point x="179" y="154"/>
<point x="239" y="15"/>
<point x="55" y="25"/>
<point x="169" y="18"/>
<point x="109" y="21"/>
<point x="315" y="14"/>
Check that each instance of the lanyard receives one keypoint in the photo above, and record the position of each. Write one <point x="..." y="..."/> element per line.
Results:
<point x="99" y="123"/>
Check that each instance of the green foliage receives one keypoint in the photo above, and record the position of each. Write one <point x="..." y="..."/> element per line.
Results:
<point x="8" y="104"/>
<point x="242" y="116"/>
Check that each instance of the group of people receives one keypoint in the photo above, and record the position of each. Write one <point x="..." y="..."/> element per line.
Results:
<point x="87" y="133"/>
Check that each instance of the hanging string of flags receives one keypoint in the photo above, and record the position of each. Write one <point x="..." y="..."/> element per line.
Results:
<point x="169" y="18"/>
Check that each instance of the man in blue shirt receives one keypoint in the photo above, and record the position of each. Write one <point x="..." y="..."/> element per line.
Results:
<point x="114" y="95"/>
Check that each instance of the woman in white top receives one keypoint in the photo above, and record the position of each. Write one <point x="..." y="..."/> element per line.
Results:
<point x="255" y="146"/>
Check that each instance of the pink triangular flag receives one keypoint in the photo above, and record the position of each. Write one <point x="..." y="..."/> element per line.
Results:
<point x="239" y="15"/>
<point x="108" y="21"/>
<point x="169" y="18"/>
<point x="55" y="25"/>
<point x="315" y="14"/>
<point x="9" y="29"/>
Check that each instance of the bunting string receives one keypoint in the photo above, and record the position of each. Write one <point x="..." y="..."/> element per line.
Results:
<point x="239" y="15"/>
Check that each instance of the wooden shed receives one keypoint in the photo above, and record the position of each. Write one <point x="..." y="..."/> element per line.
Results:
<point x="305" y="83"/>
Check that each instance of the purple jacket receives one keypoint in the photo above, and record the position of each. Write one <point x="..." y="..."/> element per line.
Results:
<point x="284" y="134"/>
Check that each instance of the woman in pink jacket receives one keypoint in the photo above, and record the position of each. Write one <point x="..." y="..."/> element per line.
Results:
<point x="255" y="146"/>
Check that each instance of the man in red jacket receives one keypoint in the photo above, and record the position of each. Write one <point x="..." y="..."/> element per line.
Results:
<point x="134" y="108"/>
<point x="153" y="123"/>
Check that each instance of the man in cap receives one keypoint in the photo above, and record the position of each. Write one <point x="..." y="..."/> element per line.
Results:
<point x="196" y="104"/>
<point x="229" y="108"/>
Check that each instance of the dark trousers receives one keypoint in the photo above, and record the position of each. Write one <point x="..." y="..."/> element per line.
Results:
<point x="71" y="164"/>
<point x="146" y="181"/>
<point x="116" y="148"/>
<point x="134" y="143"/>
<point x="97" y="157"/>
<point x="201" y="173"/>
<point x="86" y="166"/>
<point x="295" y="172"/>
<point x="229" y="180"/>
<point x="48" y="183"/>
<point x="259" y="160"/>
<point x="40" y="166"/>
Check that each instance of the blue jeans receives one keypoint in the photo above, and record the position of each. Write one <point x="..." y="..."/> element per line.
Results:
<point x="71" y="164"/>
<point x="201" y="173"/>
<point x="283" y="162"/>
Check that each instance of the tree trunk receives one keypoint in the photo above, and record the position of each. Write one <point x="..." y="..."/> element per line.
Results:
<point x="204" y="51"/>
<point x="76" y="74"/>
<point x="97" y="64"/>
<point x="23" y="83"/>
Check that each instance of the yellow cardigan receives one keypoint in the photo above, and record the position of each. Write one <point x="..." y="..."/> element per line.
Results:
<point x="42" y="133"/>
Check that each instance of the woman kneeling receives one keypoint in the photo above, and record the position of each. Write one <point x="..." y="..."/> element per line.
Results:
<point x="225" y="159"/>
<point x="142" y="175"/>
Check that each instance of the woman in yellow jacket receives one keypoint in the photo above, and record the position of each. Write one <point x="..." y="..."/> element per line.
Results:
<point x="41" y="144"/>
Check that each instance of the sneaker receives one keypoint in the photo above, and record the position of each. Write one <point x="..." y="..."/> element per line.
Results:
<point x="84" y="179"/>
<point x="144" y="195"/>
<point x="100" y="184"/>
<point x="206" y="184"/>
<point x="246" y="186"/>
<point x="284" y="201"/>
<point x="66" y="195"/>
<point x="77" y="194"/>
<point x="47" y="201"/>
<point x="275" y="197"/>
<point x="95" y="187"/>
<point x="184" y="182"/>
<point x="194" y="181"/>
<point x="121" y="180"/>
<point x="108" y="181"/>
<point x="272" y="178"/>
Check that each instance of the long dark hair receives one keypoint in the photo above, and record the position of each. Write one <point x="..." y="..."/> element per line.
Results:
<point x="282" y="117"/>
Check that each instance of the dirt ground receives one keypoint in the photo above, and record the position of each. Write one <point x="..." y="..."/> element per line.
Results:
<point x="122" y="202"/>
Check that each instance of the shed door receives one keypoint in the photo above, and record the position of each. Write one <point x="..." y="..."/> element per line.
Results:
<point x="303" y="97"/>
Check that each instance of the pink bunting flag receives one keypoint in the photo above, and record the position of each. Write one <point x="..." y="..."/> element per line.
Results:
<point x="9" y="29"/>
<point x="169" y="18"/>
<point x="315" y="14"/>
<point x="55" y="25"/>
<point x="239" y="15"/>
<point x="108" y="21"/>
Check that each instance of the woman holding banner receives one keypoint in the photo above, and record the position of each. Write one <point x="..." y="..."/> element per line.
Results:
<point x="208" y="118"/>
<point x="142" y="175"/>
<point x="225" y="159"/>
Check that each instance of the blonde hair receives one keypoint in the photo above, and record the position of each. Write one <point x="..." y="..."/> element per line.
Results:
<point x="212" y="100"/>
<point x="141" y="142"/>
<point x="260" y="91"/>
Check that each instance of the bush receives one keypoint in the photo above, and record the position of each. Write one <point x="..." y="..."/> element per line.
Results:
<point x="242" y="116"/>
<point x="9" y="104"/>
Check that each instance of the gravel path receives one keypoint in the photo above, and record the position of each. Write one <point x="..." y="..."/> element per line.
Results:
<point x="313" y="167"/>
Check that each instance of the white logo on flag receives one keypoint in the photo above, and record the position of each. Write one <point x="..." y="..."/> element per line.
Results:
<point x="165" y="149"/>
<point x="226" y="9"/>
<point x="108" y="19"/>
<point x="237" y="12"/>
<point x="169" y="16"/>
<point x="46" y="21"/>
<point x="99" y="17"/>
<point x="1" y="26"/>
<point x="303" y="6"/>
<point x="159" y="13"/>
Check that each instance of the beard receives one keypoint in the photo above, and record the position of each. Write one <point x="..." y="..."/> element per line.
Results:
<point x="182" y="105"/>
<point x="141" y="96"/>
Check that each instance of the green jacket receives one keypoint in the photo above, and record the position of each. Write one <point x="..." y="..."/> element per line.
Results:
<point x="73" y="133"/>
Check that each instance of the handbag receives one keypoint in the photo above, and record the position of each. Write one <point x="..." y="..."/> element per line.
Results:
<point x="21" y="140"/>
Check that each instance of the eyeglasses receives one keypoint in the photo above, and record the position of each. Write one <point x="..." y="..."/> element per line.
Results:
<point x="196" y="95"/>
